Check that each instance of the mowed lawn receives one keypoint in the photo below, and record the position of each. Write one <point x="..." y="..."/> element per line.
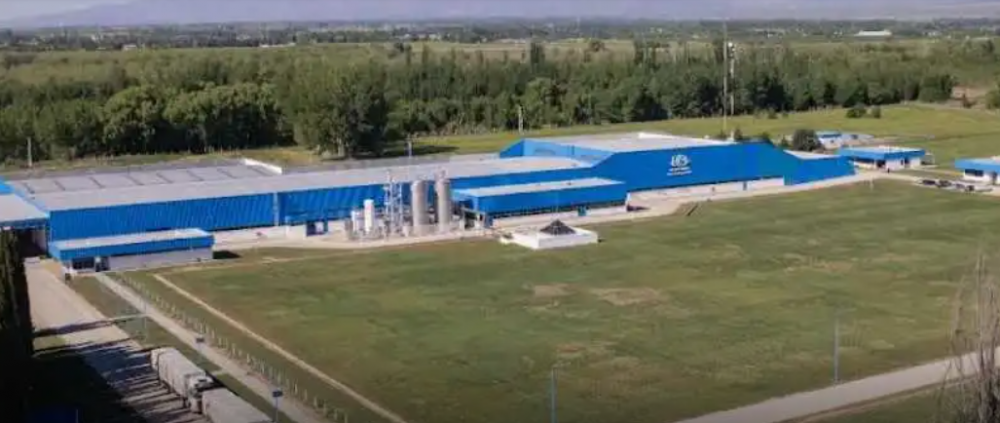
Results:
<point x="665" y="319"/>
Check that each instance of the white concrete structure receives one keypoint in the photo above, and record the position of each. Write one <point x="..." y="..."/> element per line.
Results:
<point x="546" y="238"/>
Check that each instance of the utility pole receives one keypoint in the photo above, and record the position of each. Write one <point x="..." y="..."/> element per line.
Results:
<point x="30" y="161"/>
<point x="725" y="76"/>
<point x="836" y="347"/>
<point x="520" y="119"/>
<point x="552" y="394"/>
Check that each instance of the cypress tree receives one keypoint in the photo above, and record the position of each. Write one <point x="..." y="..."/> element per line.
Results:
<point x="15" y="330"/>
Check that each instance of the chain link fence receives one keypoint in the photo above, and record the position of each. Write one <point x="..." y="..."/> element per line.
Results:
<point x="264" y="369"/>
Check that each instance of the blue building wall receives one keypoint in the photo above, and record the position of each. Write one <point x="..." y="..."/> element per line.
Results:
<point x="208" y="214"/>
<point x="530" y="201"/>
<point x="654" y="169"/>
<point x="636" y="170"/>
<point x="860" y="153"/>
<point x="132" y="249"/>
<point x="981" y="165"/>
<point x="336" y="203"/>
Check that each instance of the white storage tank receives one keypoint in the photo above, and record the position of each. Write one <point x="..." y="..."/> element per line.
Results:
<point x="357" y="221"/>
<point x="419" y="207"/>
<point x="443" y="190"/>
<point x="369" y="212"/>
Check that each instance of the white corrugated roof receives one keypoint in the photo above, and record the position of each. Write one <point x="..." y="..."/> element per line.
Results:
<point x="633" y="141"/>
<point x="537" y="187"/>
<point x="296" y="182"/>
<point x="884" y="149"/>
<point x="130" y="239"/>
<point x="16" y="209"/>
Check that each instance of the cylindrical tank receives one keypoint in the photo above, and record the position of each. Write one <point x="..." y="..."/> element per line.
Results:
<point x="443" y="189"/>
<point x="357" y="221"/>
<point x="419" y="207"/>
<point x="369" y="215"/>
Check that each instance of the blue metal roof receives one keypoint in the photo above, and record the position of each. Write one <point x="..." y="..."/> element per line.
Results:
<point x="881" y="153"/>
<point x="982" y="165"/>
<point x="131" y="244"/>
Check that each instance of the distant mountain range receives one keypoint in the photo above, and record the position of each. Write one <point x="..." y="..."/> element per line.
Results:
<point x="154" y="12"/>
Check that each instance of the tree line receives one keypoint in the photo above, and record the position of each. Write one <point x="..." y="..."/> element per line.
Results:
<point x="367" y="107"/>
<point x="16" y="331"/>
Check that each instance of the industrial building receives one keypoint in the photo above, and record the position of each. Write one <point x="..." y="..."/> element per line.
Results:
<point x="982" y="170"/>
<point x="887" y="158"/>
<point x="86" y="220"/>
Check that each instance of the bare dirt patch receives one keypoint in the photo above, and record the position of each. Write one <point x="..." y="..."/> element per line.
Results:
<point x="627" y="296"/>
<point x="550" y="291"/>
<point x="579" y="350"/>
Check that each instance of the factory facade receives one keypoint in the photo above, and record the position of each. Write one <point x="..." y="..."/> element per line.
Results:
<point x="980" y="170"/>
<point x="89" y="219"/>
<point x="887" y="158"/>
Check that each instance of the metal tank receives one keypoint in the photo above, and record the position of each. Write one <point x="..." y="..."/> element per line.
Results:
<point x="357" y="222"/>
<point x="419" y="207"/>
<point x="443" y="189"/>
<point x="369" y="215"/>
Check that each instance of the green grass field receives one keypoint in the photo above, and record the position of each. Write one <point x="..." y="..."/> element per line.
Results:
<point x="665" y="319"/>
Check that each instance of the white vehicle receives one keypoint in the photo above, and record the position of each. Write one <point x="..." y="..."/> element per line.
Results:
<point x="181" y="376"/>
<point x="222" y="406"/>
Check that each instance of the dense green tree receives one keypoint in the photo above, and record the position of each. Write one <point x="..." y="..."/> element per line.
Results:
<point x="344" y="106"/>
<point x="805" y="140"/>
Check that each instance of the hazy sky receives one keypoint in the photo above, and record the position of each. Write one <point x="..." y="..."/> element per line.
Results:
<point x="184" y="11"/>
<point x="15" y="9"/>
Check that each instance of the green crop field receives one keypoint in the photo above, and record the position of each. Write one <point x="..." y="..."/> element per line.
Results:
<point x="665" y="319"/>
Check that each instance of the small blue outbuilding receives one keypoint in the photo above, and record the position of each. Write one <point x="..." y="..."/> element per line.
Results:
<point x="884" y="157"/>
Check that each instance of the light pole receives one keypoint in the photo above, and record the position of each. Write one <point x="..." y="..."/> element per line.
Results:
<point x="552" y="394"/>
<point x="276" y="394"/>
<point x="199" y="340"/>
<point x="836" y="347"/>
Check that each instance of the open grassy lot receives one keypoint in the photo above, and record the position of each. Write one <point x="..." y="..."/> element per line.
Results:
<point x="665" y="319"/>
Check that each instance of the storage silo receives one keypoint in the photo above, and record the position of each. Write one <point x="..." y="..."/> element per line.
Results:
<point x="419" y="207"/>
<point x="443" y="189"/>
<point x="357" y="221"/>
<point x="369" y="215"/>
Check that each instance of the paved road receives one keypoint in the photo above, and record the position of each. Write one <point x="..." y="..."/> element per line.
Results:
<point x="806" y="404"/>
<point x="291" y="408"/>
<point x="106" y="348"/>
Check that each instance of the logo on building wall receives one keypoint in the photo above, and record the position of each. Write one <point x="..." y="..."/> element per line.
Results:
<point x="680" y="164"/>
